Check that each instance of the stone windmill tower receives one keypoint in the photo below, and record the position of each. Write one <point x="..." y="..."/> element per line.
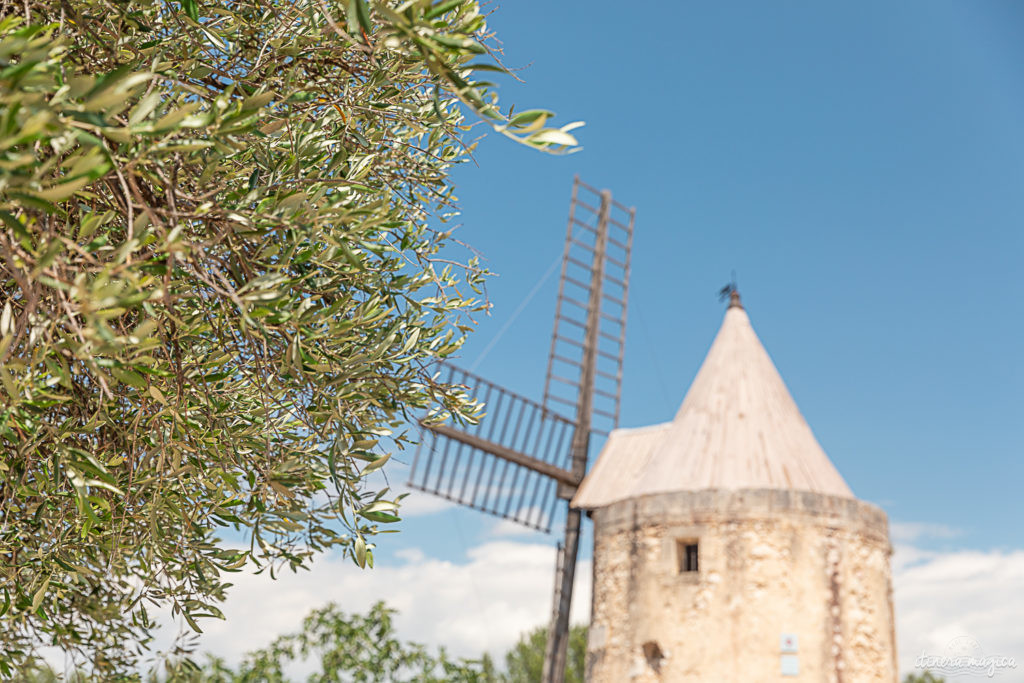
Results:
<point x="728" y="548"/>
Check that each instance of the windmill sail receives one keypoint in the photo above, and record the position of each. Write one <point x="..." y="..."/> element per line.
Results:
<point x="591" y="217"/>
<point x="518" y="460"/>
<point x="523" y="456"/>
<point x="508" y="464"/>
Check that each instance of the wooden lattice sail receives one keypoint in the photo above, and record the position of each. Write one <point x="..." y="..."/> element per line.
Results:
<point x="508" y="464"/>
<point x="524" y="456"/>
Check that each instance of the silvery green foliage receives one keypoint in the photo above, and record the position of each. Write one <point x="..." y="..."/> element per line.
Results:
<point x="343" y="647"/>
<point x="222" y="283"/>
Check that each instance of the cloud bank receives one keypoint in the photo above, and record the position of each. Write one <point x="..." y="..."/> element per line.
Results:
<point x="482" y="605"/>
<point x="503" y="589"/>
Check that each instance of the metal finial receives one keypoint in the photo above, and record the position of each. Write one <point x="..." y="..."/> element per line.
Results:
<point x="731" y="291"/>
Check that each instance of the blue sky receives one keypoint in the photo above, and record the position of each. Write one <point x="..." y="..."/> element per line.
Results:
<point x="860" y="166"/>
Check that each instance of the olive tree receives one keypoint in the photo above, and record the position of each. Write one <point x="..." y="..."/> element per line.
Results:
<point x="524" y="662"/>
<point x="343" y="647"/>
<point x="225" y="275"/>
<point x="923" y="677"/>
<point x="357" y="647"/>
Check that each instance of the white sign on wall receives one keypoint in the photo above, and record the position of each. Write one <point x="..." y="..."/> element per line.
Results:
<point x="789" y="662"/>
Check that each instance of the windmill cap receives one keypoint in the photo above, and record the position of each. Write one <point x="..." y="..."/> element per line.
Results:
<point x="737" y="428"/>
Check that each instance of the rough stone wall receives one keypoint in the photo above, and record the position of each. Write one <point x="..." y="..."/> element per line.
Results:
<point x="770" y="562"/>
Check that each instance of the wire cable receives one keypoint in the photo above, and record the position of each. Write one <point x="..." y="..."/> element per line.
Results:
<point x="522" y="306"/>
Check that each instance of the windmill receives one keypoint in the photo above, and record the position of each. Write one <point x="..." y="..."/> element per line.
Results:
<point x="525" y="456"/>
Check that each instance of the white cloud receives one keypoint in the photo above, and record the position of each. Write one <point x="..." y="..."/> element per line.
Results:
<point x="908" y="532"/>
<point x="503" y="589"/>
<point x="963" y="594"/>
<point x="395" y="475"/>
<point x="504" y="528"/>
<point x="419" y="504"/>
<point x="482" y="605"/>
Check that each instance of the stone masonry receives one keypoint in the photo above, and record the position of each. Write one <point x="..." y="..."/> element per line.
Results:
<point x="770" y="562"/>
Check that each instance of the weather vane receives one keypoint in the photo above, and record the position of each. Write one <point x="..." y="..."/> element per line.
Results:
<point x="727" y="291"/>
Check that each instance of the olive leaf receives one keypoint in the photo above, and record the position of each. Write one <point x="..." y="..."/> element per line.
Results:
<point x="226" y="278"/>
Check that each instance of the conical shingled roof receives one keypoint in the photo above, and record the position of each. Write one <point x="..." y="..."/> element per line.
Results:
<point x="738" y="428"/>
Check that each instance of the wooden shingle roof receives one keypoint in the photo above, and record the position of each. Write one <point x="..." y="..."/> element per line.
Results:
<point x="738" y="428"/>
